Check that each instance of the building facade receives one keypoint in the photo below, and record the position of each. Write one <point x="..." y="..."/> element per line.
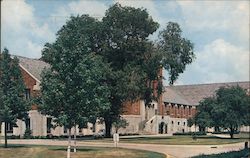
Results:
<point x="166" y="116"/>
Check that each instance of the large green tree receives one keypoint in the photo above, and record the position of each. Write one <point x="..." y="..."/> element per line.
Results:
<point x="228" y="109"/>
<point x="127" y="49"/>
<point x="177" y="50"/>
<point x="74" y="88"/>
<point x="12" y="103"/>
<point x="121" y="39"/>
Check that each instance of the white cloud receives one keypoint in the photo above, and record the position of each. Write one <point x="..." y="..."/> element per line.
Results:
<point x="62" y="14"/>
<point x="15" y="14"/>
<point x="148" y="4"/>
<point x="42" y="31"/>
<point x="93" y="8"/>
<point x="228" y="16"/>
<point x="20" y="26"/>
<point x="34" y="50"/>
<point x="218" y="61"/>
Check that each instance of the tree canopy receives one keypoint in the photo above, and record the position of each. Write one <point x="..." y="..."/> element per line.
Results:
<point x="12" y="103"/>
<point x="228" y="109"/>
<point x="74" y="88"/>
<point x="121" y="42"/>
<point x="177" y="50"/>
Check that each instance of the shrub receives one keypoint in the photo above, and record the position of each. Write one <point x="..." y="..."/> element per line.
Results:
<point x="190" y="133"/>
<point x="13" y="137"/>
<point x="27" y="134"/>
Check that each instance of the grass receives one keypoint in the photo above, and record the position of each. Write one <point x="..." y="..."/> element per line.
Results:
<point x="183" y="140"/>
<point x="233" y="154"/>
<point x="25" y="151"/>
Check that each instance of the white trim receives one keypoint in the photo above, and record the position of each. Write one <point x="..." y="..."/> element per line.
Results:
<point x="29" y="73"/>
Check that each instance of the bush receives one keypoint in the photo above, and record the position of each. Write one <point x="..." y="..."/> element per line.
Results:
<point x="190" y="133"/>
<point x="13" y="137"/>
<point x="27" y="134"/>
<point x="233" y="154"/>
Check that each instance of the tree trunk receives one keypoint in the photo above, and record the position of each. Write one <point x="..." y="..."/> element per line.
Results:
<point x="108" y="128"/>
<point x="5" y="135"/>
<point x="75" y="138"/>
<point x="231" y="132"/>
<point x="201" y="129"/>
<point x="69" y="143"/>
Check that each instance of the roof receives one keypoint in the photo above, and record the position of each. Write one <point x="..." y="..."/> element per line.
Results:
<point x="33" y="66"/>
<point x="193" y="94"/>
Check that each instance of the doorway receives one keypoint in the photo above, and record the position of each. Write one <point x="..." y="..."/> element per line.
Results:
<point x="161" y="127"/>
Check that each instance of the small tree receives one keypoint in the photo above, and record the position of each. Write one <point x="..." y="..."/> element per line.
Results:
<point x="233" y="106"/>
<point x="204" y="115"/>
<point x="74" y="89"/>
<point x="12" y="103"/>
<point x="120" y="123"/>
<point x="228" y="110"/>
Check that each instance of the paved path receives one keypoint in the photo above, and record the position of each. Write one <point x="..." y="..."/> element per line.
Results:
<point x="175" y="151"/>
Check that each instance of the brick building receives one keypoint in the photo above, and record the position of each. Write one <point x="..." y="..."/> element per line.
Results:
<point x="168" y="115"/>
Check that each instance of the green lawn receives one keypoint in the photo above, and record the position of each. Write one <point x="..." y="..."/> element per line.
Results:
<point x="183" y="140"/>
<point x="83" y="152"/>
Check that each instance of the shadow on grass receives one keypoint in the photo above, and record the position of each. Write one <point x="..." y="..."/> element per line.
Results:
<point x="14" y="146"/>
<point x="78" y="149"/>
<point x="146" y="138"/>
<point x="214" y="137"/>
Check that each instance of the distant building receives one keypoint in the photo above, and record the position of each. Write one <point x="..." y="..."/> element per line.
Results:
<point x="168" y="115"/>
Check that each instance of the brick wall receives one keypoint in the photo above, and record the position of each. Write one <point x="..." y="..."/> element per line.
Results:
<point x="178" y="111"/>
<point x="29" y="83"/>
<point x="130" y="108"/>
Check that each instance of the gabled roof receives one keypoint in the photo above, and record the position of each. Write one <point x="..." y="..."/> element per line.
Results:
<point x="172" y="96"/>
<point x="193" y="94"/>
<point x="33" y="66"/>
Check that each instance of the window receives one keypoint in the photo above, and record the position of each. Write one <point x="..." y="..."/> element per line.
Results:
<point x="172" y="122"/>
<point x="168" y="112"/>
<point x="64" y="129"/>
<point x="80" y="130"/>
<point x="27" y="94"/>
<point x="189" y="112"/>
<point x="178" y="123"/>
<point x="9" y="127"/>
<point x="49" y="125"/>
<point x="155" y="111"/>
<point x="184" y="123"/>
<point x="27" y="123"/>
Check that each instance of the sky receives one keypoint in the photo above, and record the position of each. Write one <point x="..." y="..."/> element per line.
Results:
<point x="218" y="29"/>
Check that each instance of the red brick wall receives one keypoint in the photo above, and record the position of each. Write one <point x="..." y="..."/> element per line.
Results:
<point x="182" y="112"/>
<point x="29" y="83"/>
<point x="130" y="108"/>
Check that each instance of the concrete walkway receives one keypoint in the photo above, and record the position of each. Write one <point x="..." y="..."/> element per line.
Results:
<point x="172" y="151"/>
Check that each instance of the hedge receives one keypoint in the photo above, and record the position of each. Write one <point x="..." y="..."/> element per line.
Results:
<point x="190" y="133"/>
